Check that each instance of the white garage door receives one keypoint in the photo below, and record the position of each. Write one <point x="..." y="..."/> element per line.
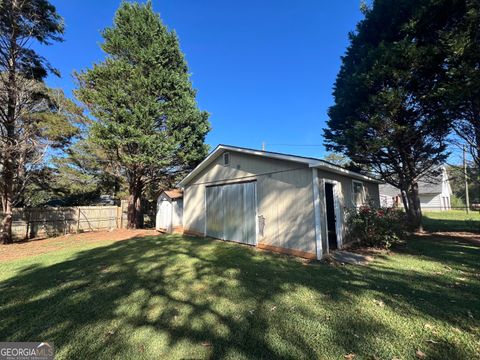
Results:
<point x="231" y="211"/>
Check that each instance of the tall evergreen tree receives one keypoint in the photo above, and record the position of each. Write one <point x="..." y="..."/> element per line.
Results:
<point x="384" y="115"/>
<point x="22" y="22"/>
<point x="457" y="25"/>
<point x="148" y="122"/>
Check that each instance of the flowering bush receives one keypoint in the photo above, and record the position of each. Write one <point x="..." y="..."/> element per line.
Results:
<point x="372" y="227"/>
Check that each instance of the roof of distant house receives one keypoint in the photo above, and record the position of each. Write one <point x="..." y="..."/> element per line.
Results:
<point x="430" y="185"/>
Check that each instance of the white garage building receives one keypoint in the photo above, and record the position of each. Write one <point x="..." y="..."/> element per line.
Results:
<point x="280" y="202"/>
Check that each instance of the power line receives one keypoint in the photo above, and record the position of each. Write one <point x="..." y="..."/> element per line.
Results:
<point x="306" y="145"/>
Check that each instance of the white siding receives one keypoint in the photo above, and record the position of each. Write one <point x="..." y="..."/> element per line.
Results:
<point x="285" y="198"/>
<point x="174" y="208"/>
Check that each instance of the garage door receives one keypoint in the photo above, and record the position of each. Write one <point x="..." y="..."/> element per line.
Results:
<point x="231" y="212"/>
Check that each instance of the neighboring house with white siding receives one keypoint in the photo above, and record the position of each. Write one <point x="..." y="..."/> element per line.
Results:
<point x="435" y="193"/>
<point x="279" y="202"/>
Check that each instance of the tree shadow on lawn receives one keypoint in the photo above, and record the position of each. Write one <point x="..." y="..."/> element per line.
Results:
<point x="433" y="224"/>
<point x="178" y="297"/>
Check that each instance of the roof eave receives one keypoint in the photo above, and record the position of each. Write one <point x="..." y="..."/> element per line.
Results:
<point x="213" y="155"/>
<point x="312" y="163"/>
<point x="210" y="157"/>
<point x="341" y="171"/>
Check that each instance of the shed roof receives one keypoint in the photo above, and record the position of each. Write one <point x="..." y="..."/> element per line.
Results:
<point x="310" y="161"/>
<point x="174" y="193"/>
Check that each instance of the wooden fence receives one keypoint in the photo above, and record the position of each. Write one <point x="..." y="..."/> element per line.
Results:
<point x="39" y="222"/>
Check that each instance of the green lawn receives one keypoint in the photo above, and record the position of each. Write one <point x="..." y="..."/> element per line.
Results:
<point x="173" y="297"/>
<point x="452" y="220"/>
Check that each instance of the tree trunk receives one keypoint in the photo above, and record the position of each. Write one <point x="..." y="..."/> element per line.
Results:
<point x="476" y="151"/>
<point x="134" y="209"/>
<point x="404" y="199"/>
<point x="6" y="234"/>
<point x="414" y="211"/>
<point x="8" y="155"/>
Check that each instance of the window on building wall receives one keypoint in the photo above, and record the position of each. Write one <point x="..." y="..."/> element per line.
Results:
<point x="358" y="193"/>
<point x="226" y="159"/>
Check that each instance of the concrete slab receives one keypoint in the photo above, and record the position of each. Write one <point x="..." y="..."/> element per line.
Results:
<point x="347" y="257"/>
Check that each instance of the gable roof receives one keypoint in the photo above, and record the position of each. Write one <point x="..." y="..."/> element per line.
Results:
<point x="310" y="161"/>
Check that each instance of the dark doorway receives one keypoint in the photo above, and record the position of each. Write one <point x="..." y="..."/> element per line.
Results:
<point x="330" y="205"/>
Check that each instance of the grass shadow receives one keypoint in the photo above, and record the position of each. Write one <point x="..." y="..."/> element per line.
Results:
<point x="453" y="220"/>
<point x="180" y="297"/>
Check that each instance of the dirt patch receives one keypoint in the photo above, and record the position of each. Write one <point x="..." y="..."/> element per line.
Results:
<point x="41" y="246"/>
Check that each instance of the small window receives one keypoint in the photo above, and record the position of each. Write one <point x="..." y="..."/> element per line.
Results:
<point x="226" y="159"/>
<point x="358" y="194"/>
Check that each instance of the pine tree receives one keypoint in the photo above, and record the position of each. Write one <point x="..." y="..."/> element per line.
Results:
<point x="147" y="120"/>
<point x="22" y="22"/>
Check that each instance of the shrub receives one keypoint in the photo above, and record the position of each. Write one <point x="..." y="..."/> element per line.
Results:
<point x="373" y="227"/>
<point x="457" y="202"/>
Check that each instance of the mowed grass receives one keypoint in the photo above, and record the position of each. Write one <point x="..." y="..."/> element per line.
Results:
<point x="451" y="220"/>
<point x="174" y="297"/>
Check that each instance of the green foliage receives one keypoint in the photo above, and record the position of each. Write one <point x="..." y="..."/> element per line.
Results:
<point x="337" y="159"/>
<point x="142" y="97"/>
<point x="456" y="202"/>
<point x="459" y="92"/>
<point x="20" y="23"/>
<point x="457" y="182"/>
<point x="50" y="126"/>
<point x="81" y="175"/>
<point x="385" y="115"/>
<point x="147" y="120"/>
<point x="379" y="228"/>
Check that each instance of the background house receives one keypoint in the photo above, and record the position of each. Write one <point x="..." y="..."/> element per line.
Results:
<point x="281" y="202"/>
<point x="435" y="193"/>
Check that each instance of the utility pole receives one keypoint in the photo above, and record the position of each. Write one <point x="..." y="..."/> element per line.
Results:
<point x="263" y="145"/>
<point x="467" y="199"/>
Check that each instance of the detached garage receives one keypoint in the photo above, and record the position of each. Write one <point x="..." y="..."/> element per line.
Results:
<point x="280" y="202"/>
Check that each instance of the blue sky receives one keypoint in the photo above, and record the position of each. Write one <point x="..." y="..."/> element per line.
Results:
<point x="264" y="69"/>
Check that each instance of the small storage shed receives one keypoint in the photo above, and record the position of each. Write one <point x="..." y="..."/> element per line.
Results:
<point x="279" y="202"/>
<point x="170" y="211"/>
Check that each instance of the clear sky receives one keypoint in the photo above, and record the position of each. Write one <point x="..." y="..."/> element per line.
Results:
<point x="263" y="69"/>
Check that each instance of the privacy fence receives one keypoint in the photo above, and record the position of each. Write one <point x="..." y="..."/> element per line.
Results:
<point x="45" y="222"/>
